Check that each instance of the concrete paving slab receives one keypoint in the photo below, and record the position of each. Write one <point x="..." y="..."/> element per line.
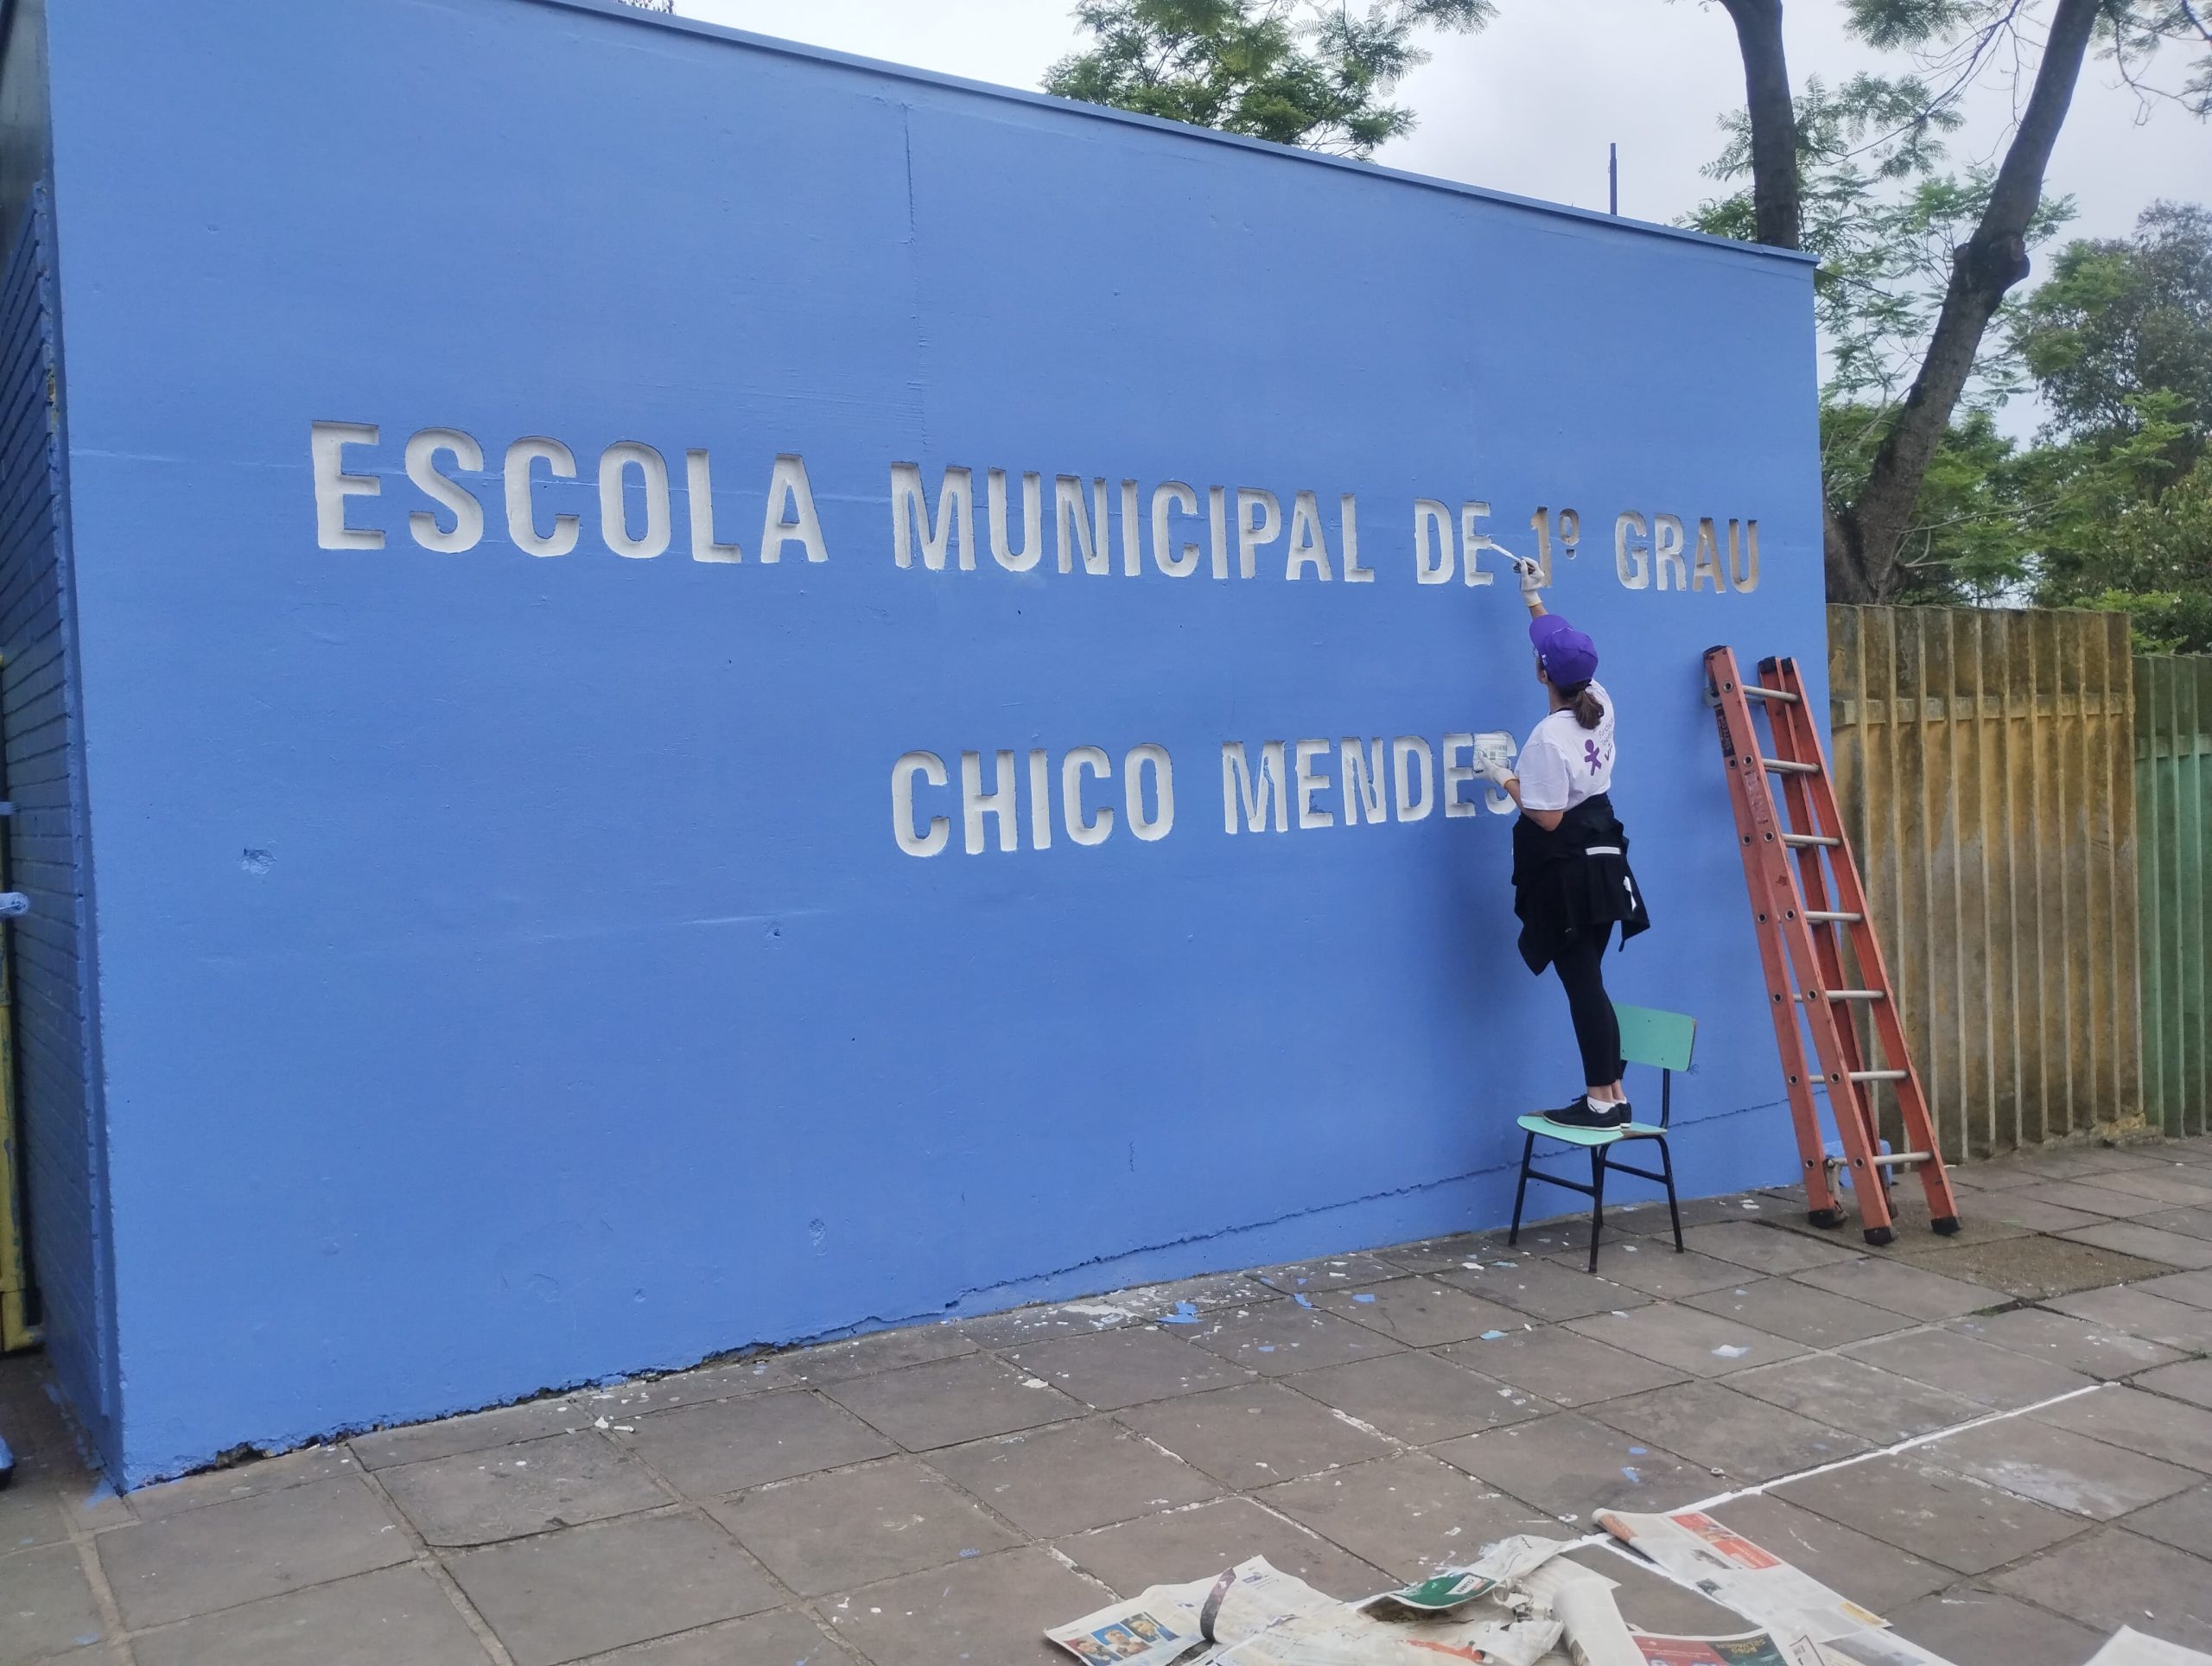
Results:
<point x="1909" y="1501"/>
<point x="1360" y="1271"/>
<point x="2062" y="1340"/>
<point x="787" y="1637"/>
<point x="243" y="1481"/>
<point x="245" y="1550"/>
<point x="1436" y="1255"/>
<point x="1255" y="1435"/>
<point x="2193" y="1222"/>
<point x="1874" y="1574"/>
<point x="2150" y="1244"/>
<point x="1976" y="1370"/>
<point x="825" y="1533"/>
<point x="1419" y="1313"/>
<point x="992" y="1609"/>
<point x="2113" y="1578"/>
<point x="1071" y="1478"/>
<point x="1418" y="1398"/>
<point x="1540" y="1289"/>
<point x="2031" y="1268"/>
<point x="1108" y="1370"/>
<point x="476" y="1432"/>
<point x="1899" y="1287"/>
<point x="1189" y="1544"/>
<point x="398" y="1616"/>
<point x="47" y="1605"/>
<point x="952" y="1401"/>
<point x="2085" y="1197"/>
<point x="2148" y="1423"/>
<point x="2060" y="1468"/>
<point x="2183" y="1521"/>
<point x="1561" y="1366"/>
<point x="1974" y="1627"/>
<point x="2178" y="1184"/>
<point x="1764" y="1248"/>
<point x="1408" y="1515"/>
<point x="480" y="1497"/>
<point x="2191" y="1381"/>
<point x="873" y="1355"/>
<point x="1881" y="1407"/>
<point x="1570" y="1466"/>
<point x="1710" y="1424"/>
<point x="30" y="1510"/>
<point x="2135" y="1310"/>
<point x="2194" y="1288"/>
<point x="725" y="1446"/>
<point x="1783" y="1307"/>
<point x="589" y="1590"/>
<point x="2028" y="1209"/>
<point x="1283" y="1337"/>
<point x="1699" y="1344"/>
<point x="1665" y="1272"/>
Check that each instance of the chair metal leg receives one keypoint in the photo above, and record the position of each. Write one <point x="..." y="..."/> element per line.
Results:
<point x="1667" y="1166"/>
<point x="1528" y="1151"/>
<point x="1597" y="1200"/>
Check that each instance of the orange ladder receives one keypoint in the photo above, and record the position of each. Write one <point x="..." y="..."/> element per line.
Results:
<point x="1808" y="903"/>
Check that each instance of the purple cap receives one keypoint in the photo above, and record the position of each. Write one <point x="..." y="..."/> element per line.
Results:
<point x="1566" y="655"/>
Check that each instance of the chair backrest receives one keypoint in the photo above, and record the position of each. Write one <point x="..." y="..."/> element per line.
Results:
<point x="1651" y="1037"/>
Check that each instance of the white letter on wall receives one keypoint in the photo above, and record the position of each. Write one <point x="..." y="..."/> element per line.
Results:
<point x="1032" y="522"/>
<point x="1164" y="498"/>
<point x="1364" y="781"/>
<point x="1354" y="573"/>
<point x="1253" y="530"/>
<point x="1455" y="772"/>
<point x="975" y="804"/>
<point x="1040" y="800"/>
<point x="1072" y="529"/>
<point x="522" y="515"/>
<point x="327" y="444"/>
<point x="1667" y="552"/>
<point x="931" y="768"/>
<point x="788" y="486"/>
<point x="1403" y="751"/>
<point x="910" y="515"/>
<point x="1629" y="548"/>
<point x="1746" y="576"/>
<point x="1309" y="813"/>
<point x="1309" y="546"/>
<point x="458" y="501"/>
<point x="614" y="463"/>
<point x="699" y="492"/>
<point x="1257" y="798"/>
<point x="1162" y="821"/>
<point x="1431" y="542"/>
<point x="1094" y="831"/>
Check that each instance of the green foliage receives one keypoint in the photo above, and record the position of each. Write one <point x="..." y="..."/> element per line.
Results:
<point x="1297" y="71"/>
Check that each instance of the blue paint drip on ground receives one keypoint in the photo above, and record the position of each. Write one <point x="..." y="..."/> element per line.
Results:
<point x="1184" y="1314"/>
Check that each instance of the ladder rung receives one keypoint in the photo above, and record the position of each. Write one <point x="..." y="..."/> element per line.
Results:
<point x="1789" y="766"/>
<point x="1879" y="1075"/>
<point x="1897" y="1158"/>
<point x="1831" y="916"/>
<point x="1809" y="838"/>
<point x="1848" y="994"/>
<point x="1780" y="697"/>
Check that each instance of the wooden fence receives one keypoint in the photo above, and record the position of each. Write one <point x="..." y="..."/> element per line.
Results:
<point x="1984" y="766"/>
<point x="2173" y="811"/>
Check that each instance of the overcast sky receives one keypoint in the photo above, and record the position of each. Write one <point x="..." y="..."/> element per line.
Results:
<point x="1529" y="105"/>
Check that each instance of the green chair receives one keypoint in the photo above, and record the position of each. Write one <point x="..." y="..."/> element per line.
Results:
<point x="1657" y="1039"/>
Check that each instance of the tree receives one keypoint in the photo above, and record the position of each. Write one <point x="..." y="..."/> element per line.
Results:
<point x="1866" y="537"/>
<point x="1296" y="72"/>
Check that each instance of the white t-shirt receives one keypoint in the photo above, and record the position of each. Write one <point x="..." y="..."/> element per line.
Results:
<point x="1565" y="763"/>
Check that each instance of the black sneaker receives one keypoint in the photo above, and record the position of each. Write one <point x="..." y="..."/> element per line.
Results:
<point x="1583" y="1114"/>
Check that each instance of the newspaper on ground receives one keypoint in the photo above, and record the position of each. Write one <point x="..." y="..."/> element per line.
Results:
<point x="1166" y="1622"/>
<point x="2127" y="1647"/>
<point x="1736" y="1574"/>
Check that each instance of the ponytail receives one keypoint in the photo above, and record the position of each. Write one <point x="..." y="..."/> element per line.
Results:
<point x="1588" y="710"/>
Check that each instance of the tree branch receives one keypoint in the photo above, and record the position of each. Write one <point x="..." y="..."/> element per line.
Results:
<point x="1774" y="120"/>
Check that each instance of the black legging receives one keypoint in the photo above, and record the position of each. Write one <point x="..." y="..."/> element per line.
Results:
<point x="1597" y="1031"/>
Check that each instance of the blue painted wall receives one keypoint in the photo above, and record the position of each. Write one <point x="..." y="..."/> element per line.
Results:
<point x="508" y="973"/>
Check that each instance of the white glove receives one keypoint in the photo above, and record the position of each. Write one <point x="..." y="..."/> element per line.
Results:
<point x="1531" y="574"/>
<point x="1498" y="774"/>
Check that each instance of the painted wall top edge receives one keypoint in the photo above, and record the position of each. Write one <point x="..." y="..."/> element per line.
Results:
<point x="628" y="14"/>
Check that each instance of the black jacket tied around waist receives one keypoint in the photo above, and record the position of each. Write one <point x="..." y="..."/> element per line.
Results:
<point x="1573" y="878"/>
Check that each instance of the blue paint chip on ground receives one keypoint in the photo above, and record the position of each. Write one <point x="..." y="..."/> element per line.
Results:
<point x="1634" y="1479"/>
<point x="1184" y="1314"/>
<point x="1363" y="1297"/>
<point x="1493" y="1336"/>
<point x="1267" y="1347"/>
<point x="1638" y="1452"/>
<point x="1303" y="1301"/>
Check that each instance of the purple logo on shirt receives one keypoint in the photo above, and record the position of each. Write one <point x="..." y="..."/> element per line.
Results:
<point x="1589" y="751"/>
